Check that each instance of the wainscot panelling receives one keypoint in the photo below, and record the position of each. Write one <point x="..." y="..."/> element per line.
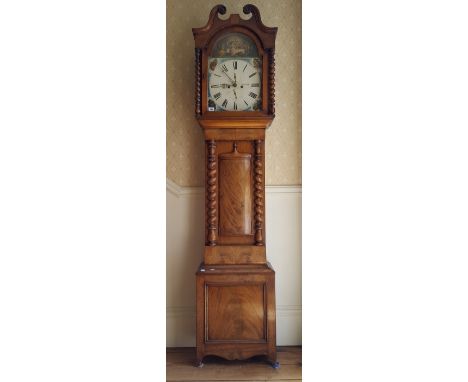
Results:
<point x="184" y="248"/>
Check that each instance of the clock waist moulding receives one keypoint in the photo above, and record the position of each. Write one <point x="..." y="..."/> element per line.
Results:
<point x="234" y="104"/>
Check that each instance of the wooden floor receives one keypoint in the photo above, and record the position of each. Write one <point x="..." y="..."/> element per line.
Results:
<point x="180" y="367"/>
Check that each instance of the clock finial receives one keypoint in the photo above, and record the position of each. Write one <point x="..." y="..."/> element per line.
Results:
<point x="219" y="8"/>
<point x="250" y="8"/>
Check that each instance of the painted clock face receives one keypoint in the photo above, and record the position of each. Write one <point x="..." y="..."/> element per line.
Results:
<point x="234" y="75"/>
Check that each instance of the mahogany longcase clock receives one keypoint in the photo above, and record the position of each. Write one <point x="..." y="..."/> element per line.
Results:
<point x="234" y="104"/>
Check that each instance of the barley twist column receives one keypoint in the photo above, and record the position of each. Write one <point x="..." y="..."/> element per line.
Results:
<point x="197" y="82"/>
<point x="258" y="193"/>
<point x="211" y="194"/>
<point x="271" y="81"/>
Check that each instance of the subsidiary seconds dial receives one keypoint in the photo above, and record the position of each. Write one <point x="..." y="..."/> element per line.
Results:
<point x="234" y="85"/>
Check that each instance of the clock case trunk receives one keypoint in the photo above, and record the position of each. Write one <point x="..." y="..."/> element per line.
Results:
<point x="235" y="285"/>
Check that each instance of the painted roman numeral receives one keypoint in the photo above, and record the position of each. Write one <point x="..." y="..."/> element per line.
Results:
<point x="234" y="64"/>
<point x="255" y="85"/>
<point x="253" y="95"/>
<point x="246" y="102"/>
<point x="215" y="86"/>
<point x="217" y="75"/>
<point x="235" y="105"/>
<point x="244" y="68"/>
<point x="225" y="103"/>
<point x="217" y="95"/>
<point x="253" y="74"/>
<point x="224" y="68"/>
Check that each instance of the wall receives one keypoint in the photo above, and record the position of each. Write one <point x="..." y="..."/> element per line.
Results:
<point x="185" y="167"/>
<point x="184" y="248"/>
<point x="184" y="151"/>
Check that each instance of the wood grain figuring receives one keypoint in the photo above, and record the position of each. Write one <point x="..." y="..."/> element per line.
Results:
<point x="234" y="134"/>
<point x="236" y="312"/>
<point x="235" y="342"/>
<point x="211" y="190"/>
<point x="253" y="272"/>
<point x="236" y="315"/>
<point x="235" y="122"/>
<point x="235" y="194"/>
<point x="264" y="38"/>
<point x="235" y="254"/>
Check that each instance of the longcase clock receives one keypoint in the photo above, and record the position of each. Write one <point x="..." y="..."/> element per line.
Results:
<point x="234" y="104"/>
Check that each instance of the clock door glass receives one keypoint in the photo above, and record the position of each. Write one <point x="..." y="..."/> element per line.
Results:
<point x="234" y="75"/>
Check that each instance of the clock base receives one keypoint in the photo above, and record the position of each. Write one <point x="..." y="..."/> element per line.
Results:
<point x="236" y="312"/>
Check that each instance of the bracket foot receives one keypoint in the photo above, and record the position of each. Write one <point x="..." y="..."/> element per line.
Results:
<point x="275" y="365"/>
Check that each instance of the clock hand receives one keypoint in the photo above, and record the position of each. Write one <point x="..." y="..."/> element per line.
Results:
<point x="229" y="78"/>
<point x="223" y="86"/>
<point x="242" y="85"/>
<point x="235" y="94"/>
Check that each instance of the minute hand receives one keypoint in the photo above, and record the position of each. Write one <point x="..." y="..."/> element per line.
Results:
<point x="229" y="77"/>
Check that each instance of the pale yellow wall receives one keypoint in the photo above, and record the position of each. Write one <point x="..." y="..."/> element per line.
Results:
<point x="184" y="139"/>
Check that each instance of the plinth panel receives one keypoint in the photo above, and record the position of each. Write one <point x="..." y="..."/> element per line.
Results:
<point x="236" y="312"/>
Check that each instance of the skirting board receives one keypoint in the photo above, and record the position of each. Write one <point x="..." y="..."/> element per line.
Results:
<point x="184" y="248"/>
<point x="180" y="326"/>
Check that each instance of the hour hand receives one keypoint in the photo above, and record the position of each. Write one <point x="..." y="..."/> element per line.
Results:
<point x="222" y="86"/>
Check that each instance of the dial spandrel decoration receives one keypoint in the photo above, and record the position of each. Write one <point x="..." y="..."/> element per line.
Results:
<point x="234" y="75"/>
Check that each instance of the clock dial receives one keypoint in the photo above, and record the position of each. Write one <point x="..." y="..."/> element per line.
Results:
<point x="234" y="74"/>
<point x="234" y="85"/>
